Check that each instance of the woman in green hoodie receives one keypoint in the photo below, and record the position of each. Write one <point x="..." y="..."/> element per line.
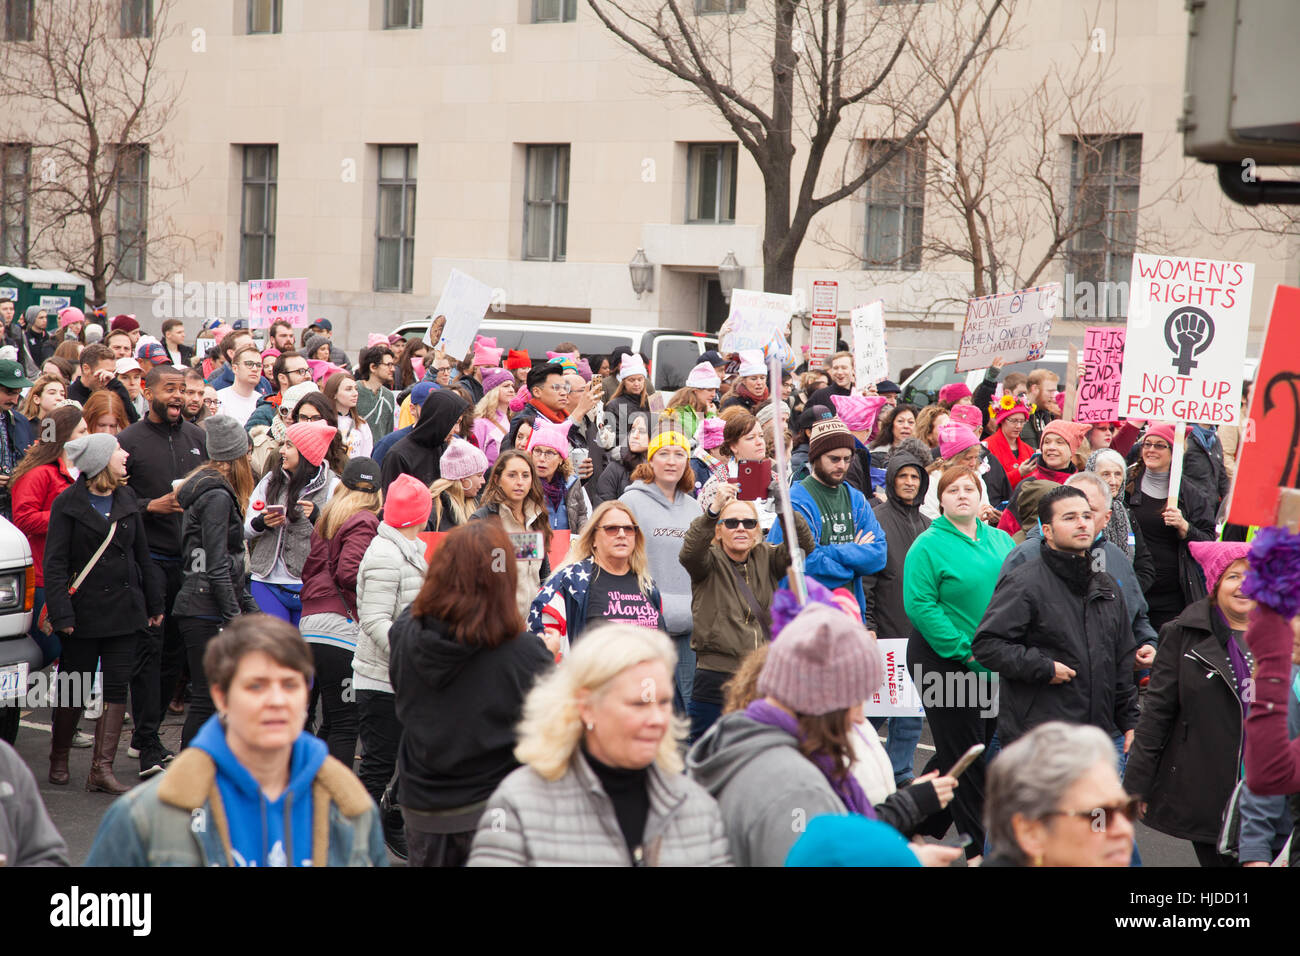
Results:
<point x="948" y="579"/>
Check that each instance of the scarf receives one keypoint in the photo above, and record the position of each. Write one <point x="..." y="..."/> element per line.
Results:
<point x="553" y="488"/>
<point x="848" y="790"/>
<point x="1074" y="569"/>
<point x="746" y="394"/>
<point x="551" y="416"/>
<point x="1155" y="484"/>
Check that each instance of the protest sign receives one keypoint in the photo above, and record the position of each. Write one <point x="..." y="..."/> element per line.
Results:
<point x="1013" y="326"/>
<point x="1186" y="340"/>
<point x="870" y="356"/>
<point x="756" y="318"/>
<point x="897" y="697"/>
<point x="1268" y="456"/>
<point x="275" y="300"/>
<point x="461" y="307"/>
<point x="821" y="341"/>
<point x="825" y="299"/>
<point x="1103" y="359"/>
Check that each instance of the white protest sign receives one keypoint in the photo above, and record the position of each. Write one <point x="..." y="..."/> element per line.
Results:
<point x="870" y="358"/>
<point x="821" y="341"/>
<point x="461" y="307"/>
<point x="897" y="696"/>
<point x="825" y="299"/>
<point x="1185" y="346"/>
<point x="1013" y="326"/>
<point x="756" y="319"/>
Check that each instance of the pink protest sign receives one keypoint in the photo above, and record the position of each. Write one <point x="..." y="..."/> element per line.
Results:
<point x="272" y="300"/>
<point x="1103" y="359"/>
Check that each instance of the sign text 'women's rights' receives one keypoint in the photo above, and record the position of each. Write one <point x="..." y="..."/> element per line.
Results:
<point x="1013" y="326"/>
<point x="1185" y="346"/>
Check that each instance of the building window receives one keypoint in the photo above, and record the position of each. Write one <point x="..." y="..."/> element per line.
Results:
<point x="264" y="16"/>
<point x="395" y="229"/>
<point x="546" y="203"/>
<point x="711" y="182"/>
<point x="1104" y="177"/>
<point x="15" y="181"/>
<point x="719" y="6"/>
<point x="895" y="208"/>
<point x="257" y="214"/>
<point x="555" y="11"/>
<point x="403" y="14"/>
<point x="18" y="19"/>
<point x="137" y="18"/>
<point x="132" y="210"/>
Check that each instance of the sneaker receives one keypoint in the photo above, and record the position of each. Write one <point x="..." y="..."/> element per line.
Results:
<point x="151" y="763"/>
<point x="133" y="752"/>
<point x="82" y="740"/>
<point x="168" y="756"/>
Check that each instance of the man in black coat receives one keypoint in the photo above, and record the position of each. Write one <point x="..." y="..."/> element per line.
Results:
<point x="1203" y="463"/>
<point x="1059" y="634"/>
<point x="552" y="401"/>
<point x="420" y="452"/>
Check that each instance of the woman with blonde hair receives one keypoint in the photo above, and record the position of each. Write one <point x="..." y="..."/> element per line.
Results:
<point x="696" y="400"/>
<point x="455" y="493"/>
<point x="45" y="395"/>
<point x="104" y="413"/>
<point x="492" y="413"/>
<point x="606" y="577"/>
<point x="601" y="781"/>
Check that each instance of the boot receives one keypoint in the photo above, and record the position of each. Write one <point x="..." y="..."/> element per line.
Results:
<point x="108" y="733"/>
<point x="64" y="729"/>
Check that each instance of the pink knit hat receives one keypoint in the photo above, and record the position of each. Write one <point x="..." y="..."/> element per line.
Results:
<point x="858" y="412"/>
<point x="954" y="392"/>
<point x="485" y="356"/>
<point x="709" y="433"/>
<point x="1163" y="430"/>
<point x="549" y="435"/>
<point x="823" y="661"/>
<point x="522" y="398"/>
<point x="69" y="315"/>
<point x="1215" y="556"/>
<point x="495" y="378"/>
<point x="461" y="460"/>
<point x="312" y="439"/>
<point x="407" y="502"/>
<point x="1005" y="413"/>
<point x="967" y="415"/>
<point x="955" y="438"/>
<point x="376" y="338"/>
<point x="1072" y="432"/>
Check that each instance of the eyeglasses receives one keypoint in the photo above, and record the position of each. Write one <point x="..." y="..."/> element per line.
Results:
<point x="1104" y="815"/>
<point x="731" y="524"/>
<point x="617" y="530"/>
<point x="212" y="402"/>
<point x="312" y="416"/>
<point x="1156" y="445"/>
<point x="562" y="388"/>
<point x="305" y="370"/>
<point x="256" y="365"/>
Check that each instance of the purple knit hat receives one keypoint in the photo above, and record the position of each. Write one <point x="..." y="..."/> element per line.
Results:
<point x="461" y="460"/>
<point x="496" y="377"/>
<point x="1214" y="558"/>
<point x="827" y="662"/>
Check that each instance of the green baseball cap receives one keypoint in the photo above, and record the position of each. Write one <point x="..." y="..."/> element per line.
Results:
<point x="11" y="375"/>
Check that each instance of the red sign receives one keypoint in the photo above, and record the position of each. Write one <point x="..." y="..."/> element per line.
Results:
<point x="556" y="552"/>
<point x="826" y="299"/>
<point x="1268" y="457"/>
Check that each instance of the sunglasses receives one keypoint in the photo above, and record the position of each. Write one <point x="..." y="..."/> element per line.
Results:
<point x="1128" y="810"/>
<point x="615" y="530"/>
<point x="731" y="524"/>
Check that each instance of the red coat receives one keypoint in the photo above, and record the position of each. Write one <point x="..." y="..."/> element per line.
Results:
<point x="1000" y="449"/>
<point x="33" y="494"/>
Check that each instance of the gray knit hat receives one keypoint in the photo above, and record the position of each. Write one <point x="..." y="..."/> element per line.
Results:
<point x="313" y="343"/>
<point x="823" y="661"/>
<point x="89" y="454"/>
<point x="225" y="437"/>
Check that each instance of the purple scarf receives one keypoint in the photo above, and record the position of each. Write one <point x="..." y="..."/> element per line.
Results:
<point x="554" y="490"/>
<point x="850" y="791"/>
<point x="1240" y="669"/>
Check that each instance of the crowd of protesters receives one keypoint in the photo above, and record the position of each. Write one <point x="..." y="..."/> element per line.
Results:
<point x="557" y="613"/>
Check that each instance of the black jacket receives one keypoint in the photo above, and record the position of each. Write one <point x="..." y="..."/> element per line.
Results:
<point x="458" y="706"/>
<point x="1035" y="618"/>
<point x="883" y="610"/>
<point x="614" y="478"/>
<point x="78" y="392"/>
<point x="996" y="481"/>
<point x="1205" y="469"/>
<point x="419" y="452"/>
<point x="1187" y="750"/>
<point x="123" y="590"/>
<point x="859" y="473"/>
<point x="160" y="454"/>
<point x="1200" y="514"/>
<point x="215" y="566"/>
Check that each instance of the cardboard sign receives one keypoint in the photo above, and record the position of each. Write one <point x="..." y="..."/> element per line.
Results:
<point x="1268" y="458"/>
<point x="825" y="299"/>
<point x="276" y="300"/>
<point x="461" y="307"/>
<point x="821" y="341"/>
<point x="1103" y="358"/>
<point x="1186" y="341"/>
<point x="756" y="318"/>
<point x="1013" y="326"/>
<point x="897" y="697"/>
<point x="557" y="552"/>
<point x="870" y="355"/>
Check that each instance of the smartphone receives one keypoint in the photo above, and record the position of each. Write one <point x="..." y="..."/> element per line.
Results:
<point x="753" y="479"/>
<point x="275" y="509"/>
<point x="528" y="546"/>
<point x="968" y="758"/>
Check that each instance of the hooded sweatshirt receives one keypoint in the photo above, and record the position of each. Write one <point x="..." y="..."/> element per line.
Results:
<point x="903" y="523"/>
<point x="664" y="524"/>
<point x="265" y="832"/>
<point x="419" y="452"/>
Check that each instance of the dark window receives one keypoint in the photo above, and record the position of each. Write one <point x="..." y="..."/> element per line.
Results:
<point x="19" y="15"/>
<point x="1104" y="177"/>
<point x="895" y="200"/>
<point x="395" y="226"/>
<point x="673" y="359"/>
<point x="555" y="11"/>
<point x="264" y="16"/>
<point x="132" y="210"/>
<point x="403" y="14"/>
<point x="719" y="6"/>
<point x="15" y="182"/>
<point x="711" y="182"/>
<point x="546" y="203"/>
<point x="137" y="18"/>
<point x="257" y="213"/>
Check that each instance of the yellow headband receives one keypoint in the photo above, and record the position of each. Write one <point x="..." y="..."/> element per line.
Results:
<point x="668" y="436"/>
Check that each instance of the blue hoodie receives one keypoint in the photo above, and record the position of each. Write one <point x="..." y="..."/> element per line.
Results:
<point x="257" y="825"/>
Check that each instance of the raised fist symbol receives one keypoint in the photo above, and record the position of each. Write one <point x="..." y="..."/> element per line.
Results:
<point x="1188" y="332"/>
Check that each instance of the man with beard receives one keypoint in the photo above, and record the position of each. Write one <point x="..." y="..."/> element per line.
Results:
<point x="375" y="400"/>
<point x="850" y="541"/>
<point x="193" y="395"/>
<point x="163" y="447"/>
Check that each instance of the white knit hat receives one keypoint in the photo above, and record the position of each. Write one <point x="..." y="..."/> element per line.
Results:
<point x="703" y="376"/>
<point x="751" y="363"/>
<point x="631" y="365"/>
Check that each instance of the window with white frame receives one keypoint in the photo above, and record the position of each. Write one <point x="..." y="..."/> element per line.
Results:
<point x="711" y="182"/>
<point x="895" y="207"/>
<point x="546" y="203"/>
<point x="395" y="223"/>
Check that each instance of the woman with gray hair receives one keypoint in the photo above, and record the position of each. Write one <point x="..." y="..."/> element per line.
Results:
<point x="1121" y="530"/>
<point x="1053" y="798"/>
<point x="601" y="781"/>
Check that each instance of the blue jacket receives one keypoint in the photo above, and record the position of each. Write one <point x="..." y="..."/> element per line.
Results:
<point x="838" y="565"/>
<point x="21" y="434"/>
<point x="572" y="582"/>
<point x="387" y="442"/>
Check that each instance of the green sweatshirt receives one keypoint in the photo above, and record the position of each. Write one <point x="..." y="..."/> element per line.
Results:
<point x="948" y="580"/>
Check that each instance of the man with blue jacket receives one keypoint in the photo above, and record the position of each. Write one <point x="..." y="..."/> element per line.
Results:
<point x="850" y="541"/>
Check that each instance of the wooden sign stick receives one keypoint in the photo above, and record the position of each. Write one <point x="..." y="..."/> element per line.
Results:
<point x="1071" y="386"/>
<point x="1176" y="467"/>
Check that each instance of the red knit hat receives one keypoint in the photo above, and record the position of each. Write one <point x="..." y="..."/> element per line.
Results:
<point x="407" y="502"/>
<point x="312" y="439"/>
<point x="518" y="358"/>
<point x="124" y="323"/>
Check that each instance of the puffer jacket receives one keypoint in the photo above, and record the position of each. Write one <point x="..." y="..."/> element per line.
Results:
<point x="532" y="821"/>
<point x="217" y="586"/>
<point x="390" y="576"/>
<point x="291" y="540"/>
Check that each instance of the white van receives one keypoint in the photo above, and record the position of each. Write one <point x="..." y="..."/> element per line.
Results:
<point x="670" y="353"/>
<point x="19" y="655"/>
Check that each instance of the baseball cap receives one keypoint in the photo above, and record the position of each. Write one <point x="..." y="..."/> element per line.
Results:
<point x="323" y="324"/>
<point x="125" y="365"/>
<point x="11" y="375"/>
<point x="420" y="392"/>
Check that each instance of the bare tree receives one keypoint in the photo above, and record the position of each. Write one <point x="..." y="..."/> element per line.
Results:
<point x="87" y="93"/>
<point x="791" y="74"/>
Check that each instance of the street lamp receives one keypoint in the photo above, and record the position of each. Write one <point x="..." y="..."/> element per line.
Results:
<point x="730" y="275"/>
<point x="642" y="271"/>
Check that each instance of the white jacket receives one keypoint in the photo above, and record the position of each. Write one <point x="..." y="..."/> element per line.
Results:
<point x="390" y="576"/>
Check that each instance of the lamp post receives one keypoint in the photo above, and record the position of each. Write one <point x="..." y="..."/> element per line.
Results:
<point x="642" y="271"/>
<point x="730" y="274"/>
